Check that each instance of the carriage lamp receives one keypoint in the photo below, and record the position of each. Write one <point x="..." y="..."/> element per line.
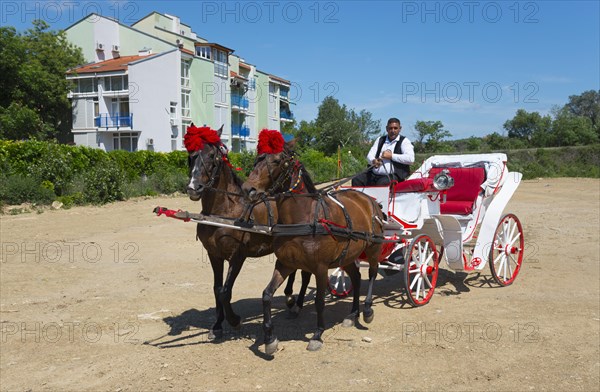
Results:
<point x="443" y="180"/>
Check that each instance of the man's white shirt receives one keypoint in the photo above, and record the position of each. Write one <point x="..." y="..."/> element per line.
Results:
<point x="407" y="157"/>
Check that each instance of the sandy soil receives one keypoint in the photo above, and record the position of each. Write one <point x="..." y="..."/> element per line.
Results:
<point x="115" y="299"/>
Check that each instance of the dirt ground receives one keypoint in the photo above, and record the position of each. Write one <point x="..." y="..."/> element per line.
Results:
<point x="114" y="298"/>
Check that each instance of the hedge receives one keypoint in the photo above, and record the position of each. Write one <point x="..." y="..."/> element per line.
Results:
<point x="41" y="172"/>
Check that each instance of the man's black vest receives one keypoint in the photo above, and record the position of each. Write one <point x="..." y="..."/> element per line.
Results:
<point x="400" y="169"/>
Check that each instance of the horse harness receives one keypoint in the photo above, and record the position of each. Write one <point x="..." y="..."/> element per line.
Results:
<point x="319" y="225"/>
<point x="219" y="159"/>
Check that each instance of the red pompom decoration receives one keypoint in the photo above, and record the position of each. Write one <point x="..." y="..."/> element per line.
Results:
<point x="195" y="137"/>
<point x="270" y="142"/>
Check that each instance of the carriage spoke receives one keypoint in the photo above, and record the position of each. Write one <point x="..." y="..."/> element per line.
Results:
<point x="429" y="258"/>
<point x="497" y="258"/>
<point x="509" y="265"/>
<point x="505" y="263"/>
<point x="412" y="284"/>
<point x="426" y="279"/>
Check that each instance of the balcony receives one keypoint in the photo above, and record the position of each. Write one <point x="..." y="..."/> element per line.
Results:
<point x="240" y="131"/>
<point x="286" y="116"/>
<point x="105" y="120"/>
<point x="284" y="95"/>
<point x="239" y="103"/>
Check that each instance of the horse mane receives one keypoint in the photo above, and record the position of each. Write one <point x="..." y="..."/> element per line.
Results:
<point x="308" y="182"/>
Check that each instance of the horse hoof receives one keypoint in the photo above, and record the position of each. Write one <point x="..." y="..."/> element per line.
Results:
<point x="215" y="334"/>
<point x="290" y="301"/>
<point x="237" y="323"/>
<point x="314" y="345"/>
<point x="294" y="312"/>
<point x="368" y="316"/>
<point x="271" y="348"/>
<point x="348" y="321"/>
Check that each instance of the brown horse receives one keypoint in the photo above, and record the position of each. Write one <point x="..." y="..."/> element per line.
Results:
<point x="315" y="231"/>
<point x="213" y="180"/>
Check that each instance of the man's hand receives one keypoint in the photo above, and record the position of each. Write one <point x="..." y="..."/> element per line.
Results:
<point x="377" y="162"/>
<point x="387" y="154"/>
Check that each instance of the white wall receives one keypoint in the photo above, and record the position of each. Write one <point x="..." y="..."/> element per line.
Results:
<point x="158" y="81"/>
<point x="83" y="113"/>
<point x="106" y="32"/>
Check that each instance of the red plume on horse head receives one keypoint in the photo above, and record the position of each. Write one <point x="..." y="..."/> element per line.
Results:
<point x="270" y="142"/>
<point x="195" y="137"/>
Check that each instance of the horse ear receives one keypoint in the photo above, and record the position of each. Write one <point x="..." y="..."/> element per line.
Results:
<point x="291" y="144"/>
<point x="220" y="130"/>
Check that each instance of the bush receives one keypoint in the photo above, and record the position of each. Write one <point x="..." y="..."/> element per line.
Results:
<point x="104" y="184"/>
<point x="166" y="181"/>
<point x="39" y="172"/>
<point x="18" y="189"/>
<point x="243" y="160"/>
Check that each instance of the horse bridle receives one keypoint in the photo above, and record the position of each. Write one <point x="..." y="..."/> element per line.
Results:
<point x="216" y="167"/>
<point x="290" y="163"/>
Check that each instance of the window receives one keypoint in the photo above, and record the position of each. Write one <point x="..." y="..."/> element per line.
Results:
<point x="184" y="126"/>
<point x="272" y="88"/>
<point x="185" y="104"/>
<point x="116" y="83"/>
<point x="203" y="51"/>
<point x="220" y="58"/>
<point x="185" y="74"/>
<point x="125" y="141"/>
<point x="173" y="109"/>
<point x="87" y="85"/>
<point x="96" y="107"/>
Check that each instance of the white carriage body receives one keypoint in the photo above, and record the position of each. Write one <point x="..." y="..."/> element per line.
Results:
<point x="411" y="213"/>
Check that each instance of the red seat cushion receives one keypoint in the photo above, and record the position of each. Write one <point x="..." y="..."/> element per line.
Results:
<point x="467" y="183"/>
<point x="414" y="185"/>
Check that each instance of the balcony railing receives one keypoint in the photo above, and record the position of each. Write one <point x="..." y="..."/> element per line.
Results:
<point x="114" y="120"/>
<point x="286" y="115"/>
<point x="240" y="130"/>
<point x="239" y="101"/>
<point x="285" y="94"/>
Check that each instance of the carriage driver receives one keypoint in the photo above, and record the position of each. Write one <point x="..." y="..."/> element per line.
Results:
<point x="390" y="157"/>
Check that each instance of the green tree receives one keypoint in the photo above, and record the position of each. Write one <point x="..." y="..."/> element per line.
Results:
<point x="305" y="134"/>
<point x="363" y="126"/>
<point x="336" y="125"/>
<point x="524" y="125"/>
<point x="569" y="129"/>
<point x="586" y="105"/>
<point x="429" y="136"/>
<point x="495" y="141"/>
<point x="34" y="88"/>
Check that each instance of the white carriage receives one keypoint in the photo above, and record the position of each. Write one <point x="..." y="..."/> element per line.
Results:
<point x="461" y="223"/>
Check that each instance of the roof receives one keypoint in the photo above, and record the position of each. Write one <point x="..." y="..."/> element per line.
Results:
<point x="214" y="45"/>
<point x="278" y="79"/>
<point x="244" y="65"/>
<point x="236" y="75"/>
<point x="186" y="51"/>
<point x="112" y="65"/>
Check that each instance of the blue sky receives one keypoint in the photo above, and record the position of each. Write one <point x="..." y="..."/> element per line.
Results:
<point x="469" y="64"/>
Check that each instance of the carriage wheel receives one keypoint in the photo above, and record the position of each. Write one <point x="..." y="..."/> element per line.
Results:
<point x="339" y="283"/>
<point x="506" y="255"/>
<point x="421" y="274"/>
